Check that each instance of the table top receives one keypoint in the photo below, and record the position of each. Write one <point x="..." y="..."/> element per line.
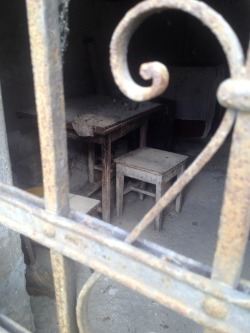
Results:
<point x="100" y="114"/>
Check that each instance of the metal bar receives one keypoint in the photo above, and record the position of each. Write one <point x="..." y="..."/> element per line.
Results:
<point x="82" y="303"/>
<point x="9" y="326"/>
<point x="33" y="203"/>
<point x="235" y="221"/>
<point x="235" y="216"/>
<point x="46" y="60"/>
<point x="154" y="276"/>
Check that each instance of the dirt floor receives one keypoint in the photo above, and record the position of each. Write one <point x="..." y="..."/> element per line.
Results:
<point x="113" y="308"/>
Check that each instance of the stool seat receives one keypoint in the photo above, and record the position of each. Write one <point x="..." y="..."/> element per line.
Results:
<point x="148" y="165"/>
<point x="151" y="160"/>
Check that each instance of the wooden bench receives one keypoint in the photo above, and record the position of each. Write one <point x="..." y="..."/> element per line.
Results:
<point x="77" y="202"/>
<point x="84" y="204"/>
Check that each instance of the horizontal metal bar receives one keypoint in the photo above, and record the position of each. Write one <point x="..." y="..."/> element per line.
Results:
<point x="7" y="325"/>
<point x="120" y="234"/>
<point x="84" y="241"/>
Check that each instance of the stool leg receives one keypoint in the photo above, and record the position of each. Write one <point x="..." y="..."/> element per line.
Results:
<point x="178" y="201"/>
<point x="142" y="186"/>
<point x="158" y="195"/>
<point x="119" y="190"/>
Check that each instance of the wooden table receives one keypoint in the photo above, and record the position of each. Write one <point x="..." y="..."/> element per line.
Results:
<point x="102" y="120"/>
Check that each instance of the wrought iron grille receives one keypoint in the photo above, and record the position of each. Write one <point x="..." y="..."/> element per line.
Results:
<point x="214" y="297"/>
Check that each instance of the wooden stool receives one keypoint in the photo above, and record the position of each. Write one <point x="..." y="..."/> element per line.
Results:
<point x="151" y="166"/>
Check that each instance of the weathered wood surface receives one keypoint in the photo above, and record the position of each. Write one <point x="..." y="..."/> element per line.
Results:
<point x="100" y="114"/>
<point x="151" y="160"/>
<point x="83" y="204"/>
<point x="102" y="120"/>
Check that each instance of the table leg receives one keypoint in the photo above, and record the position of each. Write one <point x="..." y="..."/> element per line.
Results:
<point x="106" y="178"/>
<point x="143" y="133"/>
<point x="91" y="161"/>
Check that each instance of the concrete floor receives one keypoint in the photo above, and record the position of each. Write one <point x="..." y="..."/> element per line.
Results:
<point x="193" y="233"/>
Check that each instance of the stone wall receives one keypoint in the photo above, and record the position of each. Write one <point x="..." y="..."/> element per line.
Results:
<point x="14" y="300"/>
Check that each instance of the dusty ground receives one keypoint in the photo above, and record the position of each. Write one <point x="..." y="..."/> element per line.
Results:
<point x="113" y="308"/>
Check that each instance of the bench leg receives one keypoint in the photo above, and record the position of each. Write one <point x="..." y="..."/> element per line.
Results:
<point x="158" y="195"/>
<point x="178" y="201"/>
<point x="119" y="190"/>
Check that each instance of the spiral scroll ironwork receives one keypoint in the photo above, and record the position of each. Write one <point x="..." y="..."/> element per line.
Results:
<point x="159" y="75"/>
<point x="155" y="70"/>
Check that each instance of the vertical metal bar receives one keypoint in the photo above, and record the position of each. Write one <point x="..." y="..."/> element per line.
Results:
<point x="235" y="215"/>
<point x="46" y="60"/>
<point x="235" y="218"/>
<point x="234" y="226"/>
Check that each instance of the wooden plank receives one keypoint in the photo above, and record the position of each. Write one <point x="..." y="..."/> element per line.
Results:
<point x="123" y="129"/>
<point x="142" y="191"/>
<point x="91" y="188"/>
<point x="102" y="113"/>
<point x="83" y="204"/>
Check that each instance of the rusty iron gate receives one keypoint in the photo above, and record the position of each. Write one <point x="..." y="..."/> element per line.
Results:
<point x="216" y="298"/>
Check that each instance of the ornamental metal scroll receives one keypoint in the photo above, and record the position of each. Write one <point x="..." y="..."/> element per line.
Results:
<point x="234" y="94"/>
